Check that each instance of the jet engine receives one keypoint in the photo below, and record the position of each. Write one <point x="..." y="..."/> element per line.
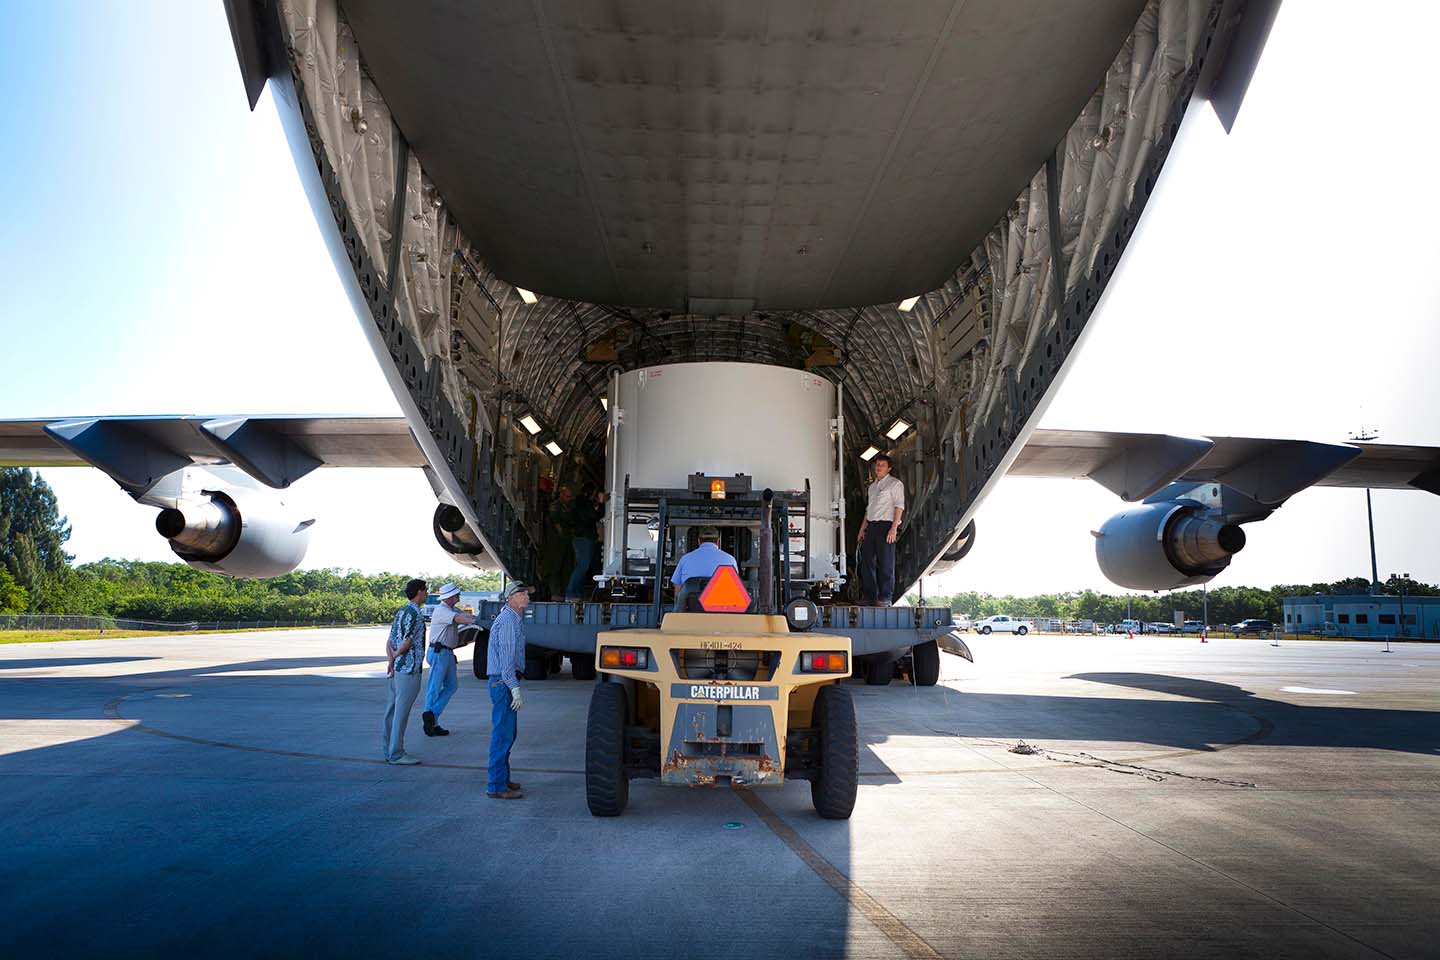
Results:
<point x="237" y="533"/>
<point x="456" y="538"/>
<point x="955" y="552"/>
<point x="1166" y="544"/>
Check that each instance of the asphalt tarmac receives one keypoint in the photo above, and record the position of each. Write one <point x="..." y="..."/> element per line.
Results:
<point x="223" y="795"/>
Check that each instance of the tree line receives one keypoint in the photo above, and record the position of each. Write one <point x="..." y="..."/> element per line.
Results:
<point x="1226" y="604"/>
<point x="175" y="592"/>
<point x="36" y="576"/>
<point x="32" y="539"/>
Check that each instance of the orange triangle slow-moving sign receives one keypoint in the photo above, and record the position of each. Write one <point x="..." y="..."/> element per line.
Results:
<point x="725" y="593"/>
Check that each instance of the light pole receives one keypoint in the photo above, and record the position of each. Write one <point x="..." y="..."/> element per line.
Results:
<point x="1363" y="434"/>
<point x="1404" y="579"/>
<point x="1205" y="612"/>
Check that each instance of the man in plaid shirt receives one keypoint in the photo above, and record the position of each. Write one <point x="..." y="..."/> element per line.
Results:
<point x="405" y="659"/>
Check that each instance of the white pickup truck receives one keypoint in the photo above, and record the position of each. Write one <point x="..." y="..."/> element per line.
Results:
<point x="1003" y="624"/>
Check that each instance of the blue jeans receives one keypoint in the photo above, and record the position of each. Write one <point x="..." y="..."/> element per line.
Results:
<point x="443" y="681"/>
<point x="502" y="736"/>
<point x="584" y="550"/>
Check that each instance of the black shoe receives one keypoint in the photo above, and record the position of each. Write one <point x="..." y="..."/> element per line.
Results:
<point x="429" y="720"/>
<point x="438" y="731"/>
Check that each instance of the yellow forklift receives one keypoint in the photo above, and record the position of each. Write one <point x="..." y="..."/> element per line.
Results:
<point x="725" y="696"/>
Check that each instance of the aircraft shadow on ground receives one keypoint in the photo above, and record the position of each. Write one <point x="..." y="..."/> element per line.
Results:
<point x="54" y="697"/>
<point x="1215" y="715"/>
<point x="66" y="662"/>
<point x="207" y="798"/>
<point x="1296" y="725"/>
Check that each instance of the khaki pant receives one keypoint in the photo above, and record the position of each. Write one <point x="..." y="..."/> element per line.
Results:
<point x="404" y="688"/>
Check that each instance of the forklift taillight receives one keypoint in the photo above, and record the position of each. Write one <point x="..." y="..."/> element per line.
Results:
<point x="632" y="658"/>
<point x="824" y="663"/>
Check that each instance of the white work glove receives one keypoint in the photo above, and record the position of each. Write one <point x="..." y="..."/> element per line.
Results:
<point x="517" y="700"/>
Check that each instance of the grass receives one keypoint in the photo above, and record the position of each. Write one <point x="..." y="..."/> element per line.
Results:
<point x="55" y="636"/>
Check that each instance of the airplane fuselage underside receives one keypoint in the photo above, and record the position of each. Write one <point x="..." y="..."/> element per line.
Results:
<point x="711" y="186"/>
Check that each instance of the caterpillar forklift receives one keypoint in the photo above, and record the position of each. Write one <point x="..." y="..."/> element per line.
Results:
<point x="727" y="691"/>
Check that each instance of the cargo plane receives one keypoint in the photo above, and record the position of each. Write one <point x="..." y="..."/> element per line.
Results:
<point x="688" y="254"/>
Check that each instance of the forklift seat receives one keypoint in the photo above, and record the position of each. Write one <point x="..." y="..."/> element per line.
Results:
<point x="687" y="598"/>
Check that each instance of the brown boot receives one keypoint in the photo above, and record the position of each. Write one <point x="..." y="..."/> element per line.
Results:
<point x="506" y="794"/>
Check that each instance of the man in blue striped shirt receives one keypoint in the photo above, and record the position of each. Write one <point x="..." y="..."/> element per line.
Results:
<point x="504" y="663"/>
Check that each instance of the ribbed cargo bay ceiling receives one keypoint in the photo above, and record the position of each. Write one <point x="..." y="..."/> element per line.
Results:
<point x="737" y="181"/>
<point x="739" y="155"/>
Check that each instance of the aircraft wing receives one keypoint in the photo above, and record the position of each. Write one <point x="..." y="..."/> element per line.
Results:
<point x="1136" y="465"/>
<point x="273" y="450"/>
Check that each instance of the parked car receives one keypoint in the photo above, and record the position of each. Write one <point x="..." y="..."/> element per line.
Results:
<point x="1003" y="624"/>
<point x="1128" y="626"/>
<point x="1252" y="625"/>
<point x="1159" y="627"/>
<point x="1193" y="626"/>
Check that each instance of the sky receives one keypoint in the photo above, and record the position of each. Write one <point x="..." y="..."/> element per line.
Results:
<point x="161" y="258"/>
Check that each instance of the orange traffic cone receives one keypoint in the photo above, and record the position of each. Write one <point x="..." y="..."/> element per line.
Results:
<point x="1202" y="637"/>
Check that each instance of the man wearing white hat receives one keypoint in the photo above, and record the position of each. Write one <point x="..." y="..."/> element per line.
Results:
<point x="445" y="624"/>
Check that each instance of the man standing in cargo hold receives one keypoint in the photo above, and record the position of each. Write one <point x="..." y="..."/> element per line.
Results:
<point x="585" y="514"/>
<point x="877" y="536"/>
<point x="506" y="661"/>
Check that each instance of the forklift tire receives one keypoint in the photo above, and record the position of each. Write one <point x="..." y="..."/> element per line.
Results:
<point x="925" y="663"/>
<point x="834" y="787"/>
<point x="879" y="673"/>
<point x="582" y="667"/>
<point x="537" y="667"/>
<point x="482" y="655"/>
<point x="607" y="788"/>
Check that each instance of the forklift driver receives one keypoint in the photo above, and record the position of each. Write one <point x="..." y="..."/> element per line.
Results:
<point x="700" y="565"/>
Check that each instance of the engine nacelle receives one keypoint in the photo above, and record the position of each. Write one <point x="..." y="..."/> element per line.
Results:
<point x="236" y="533"/>
<point x="457" y="539"/>
<point x="1165" y="545"/>
<point x="955" y="552"/>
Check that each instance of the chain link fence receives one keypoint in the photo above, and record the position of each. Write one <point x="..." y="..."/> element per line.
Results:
<point x="46" y="621"/>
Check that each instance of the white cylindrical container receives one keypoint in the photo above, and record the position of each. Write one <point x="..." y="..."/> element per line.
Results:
<point x="720" y="419"/>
